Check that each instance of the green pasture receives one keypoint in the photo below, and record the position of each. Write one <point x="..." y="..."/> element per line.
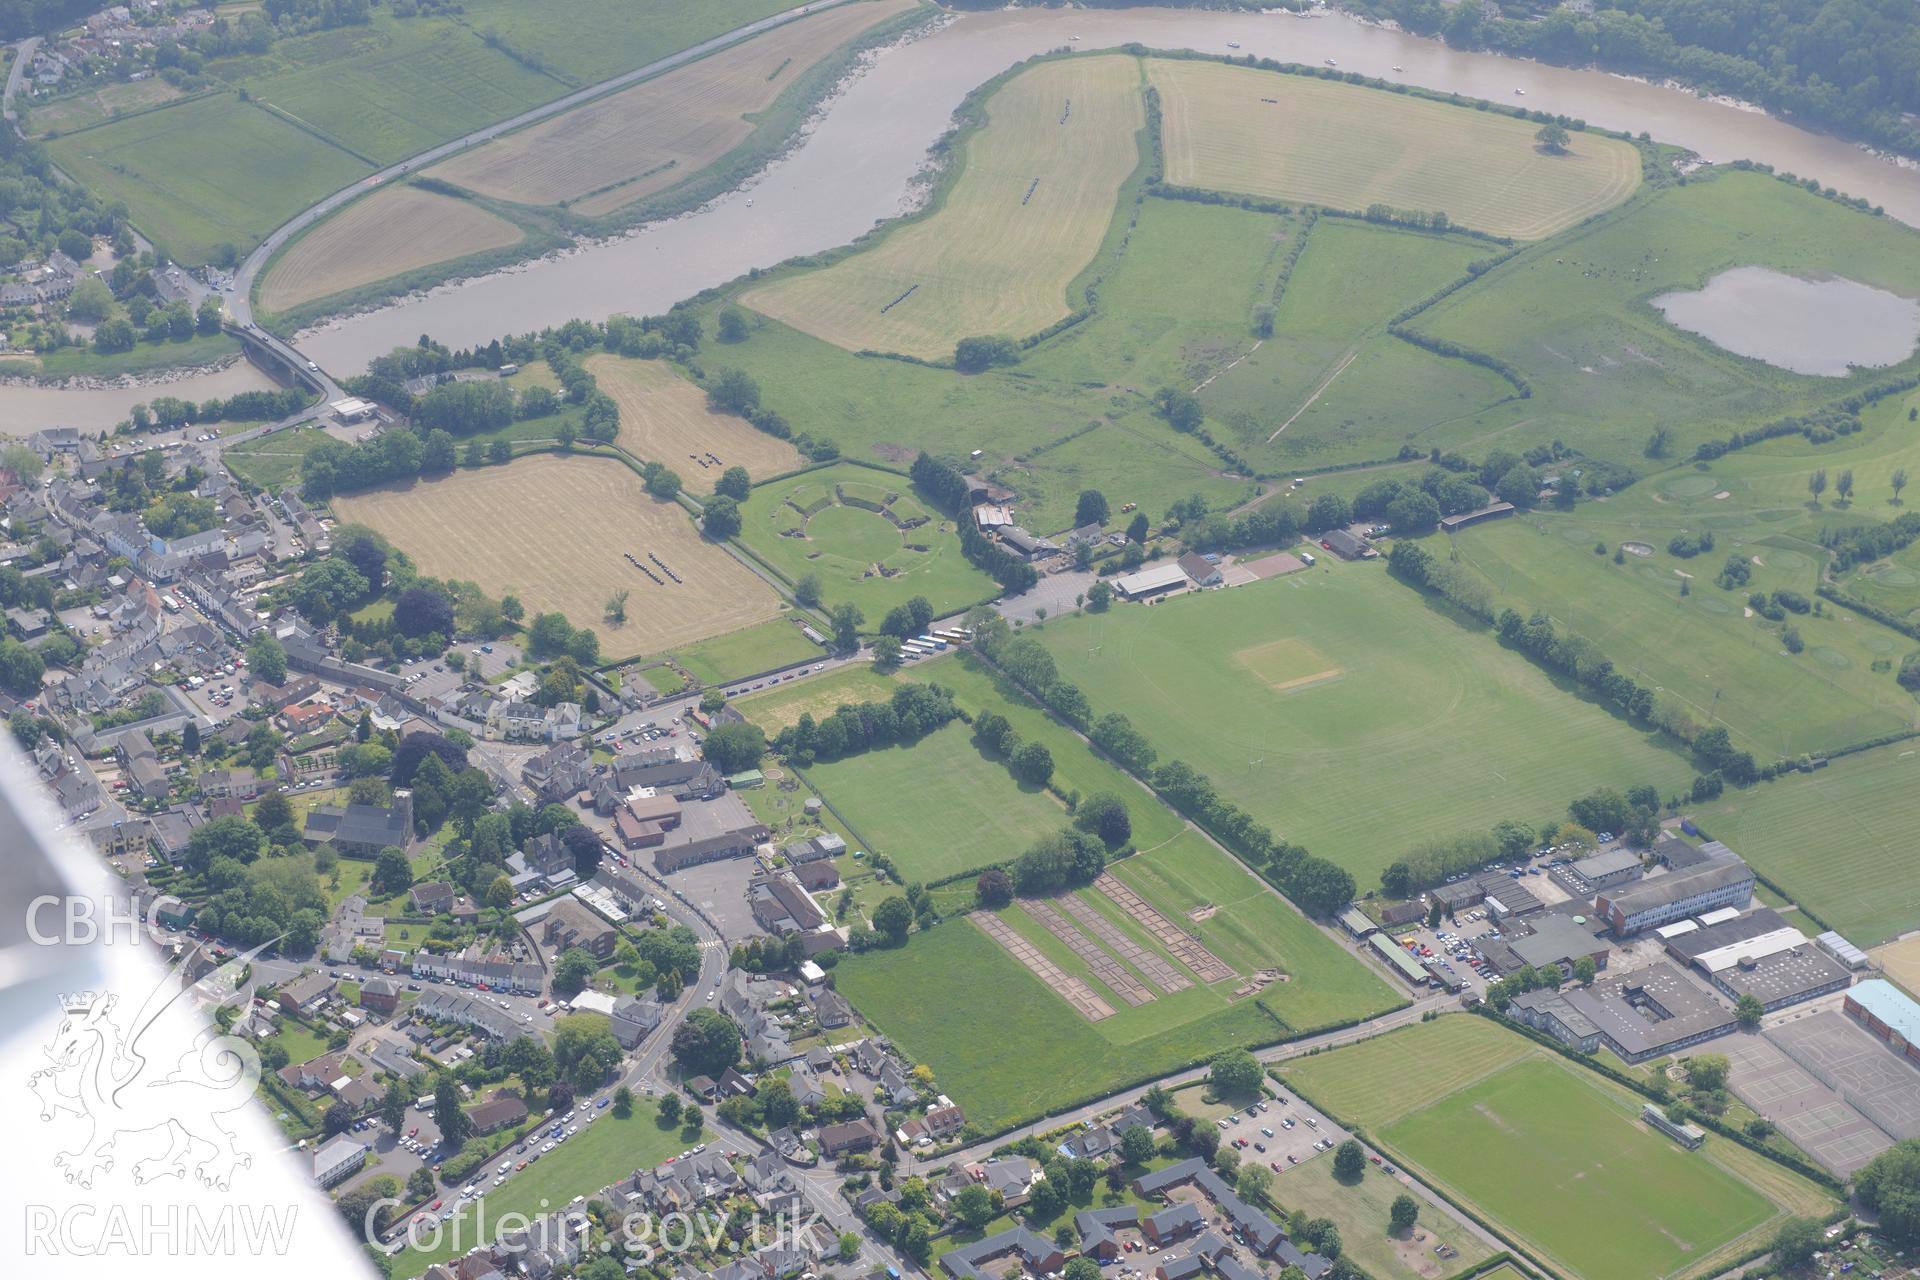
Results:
<point x="938" y="807"/>
<point x="1701" y="647"/>
<point x="211" y="171"/>
<point x="1836" y="839"/>
<point x="776" y="643"/>
<point x="1606" y="368"/>
<point x="818" y="696"/>
<point x="1047" y="437"/>
<point x="1414" y="726"/>
<point x="580" y="42"/>
<point x="273" y="461"/>
<point x="1375" y="392"/>
<point x="859" y="555"/>
<point x="394" y="87"/>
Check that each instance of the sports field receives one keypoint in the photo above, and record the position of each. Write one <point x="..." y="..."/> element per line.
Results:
<point x="211" y="171"/>
<point x="395" y="231"/>
<point x="938" y="807"/>
<point x="612" y="151"/>
<point x="1836" y="839"/>
<point x="555" y="531"/>
<point x="1293" y="137"/>
<point x="933" y="996"/>
<point x="1552" y="1154"/>
<point x="1406" y="725"/>
<point x="1030" y="207"/>
<point x="826" y="523"/>
<point x="664" y="417"/>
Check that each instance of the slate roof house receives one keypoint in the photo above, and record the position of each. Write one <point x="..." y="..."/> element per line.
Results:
<point x="362" y="829"/>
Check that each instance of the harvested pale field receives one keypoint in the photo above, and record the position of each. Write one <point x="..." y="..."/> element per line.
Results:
<point x="398" y="230"/>
<point x="1292" y="137"/>
<point x="664" y="417"/>
<point x="556" y="532"/>
<point x="630" y="144"/>
<point x="1025" y="215"/>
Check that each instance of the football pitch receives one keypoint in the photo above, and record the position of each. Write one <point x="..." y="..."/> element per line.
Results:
<point x="1554" y="1156"/>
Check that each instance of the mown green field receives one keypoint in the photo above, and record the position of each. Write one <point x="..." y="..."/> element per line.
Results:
<point x="743" y="653"/>
<point x="783" y="704"/>
<point x="845" y="545"/>
<point x="1563" y="1158"/>
<point x="1076" y="766"/>
<point x="1553" y="1155"/>
<point x="582" y="41"/>
<point x="1362" y="1210"/>
<point x="208" y="172"/>
<point x="1835" y="840"/>
<point x="605" y="1151"/>
<point x="938" y="807"/>
<point x="1407" y="725"/>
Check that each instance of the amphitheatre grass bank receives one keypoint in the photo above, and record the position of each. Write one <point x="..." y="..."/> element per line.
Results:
<point x="556" y="532"/>
<point x="1027" y="212"/>
<point x="1296" y="137"/>
<point x="866" y="536"/>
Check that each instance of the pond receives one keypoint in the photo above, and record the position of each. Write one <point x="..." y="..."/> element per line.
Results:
<point x="1822" y="327"/>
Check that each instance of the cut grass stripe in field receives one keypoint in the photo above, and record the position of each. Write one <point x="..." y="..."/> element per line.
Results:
<point x="1293" y="137"/>
<point x="998" y="254"/>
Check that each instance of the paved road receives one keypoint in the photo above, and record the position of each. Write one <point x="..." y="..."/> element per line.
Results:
<point x="250" y="269"/>
<point x="17" y="75"/>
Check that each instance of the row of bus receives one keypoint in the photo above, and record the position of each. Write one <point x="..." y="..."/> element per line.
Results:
<point x="934" y="642"/>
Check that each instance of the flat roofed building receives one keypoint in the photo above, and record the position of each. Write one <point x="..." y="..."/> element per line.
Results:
<point x="1145" y="583"/>
<point x="1605" y="870"/>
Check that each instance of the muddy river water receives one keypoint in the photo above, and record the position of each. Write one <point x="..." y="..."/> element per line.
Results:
<point x="858" y="163"/>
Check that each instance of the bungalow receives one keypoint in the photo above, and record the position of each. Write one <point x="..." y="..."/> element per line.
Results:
<point x="1038" y="1254"/>
<point x="1202" y="571"/>
<point x="852" y="1135"/>
<point x="497" y="1113"/>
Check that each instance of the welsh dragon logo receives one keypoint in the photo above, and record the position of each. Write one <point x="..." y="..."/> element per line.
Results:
<point x="128" y="1106"/>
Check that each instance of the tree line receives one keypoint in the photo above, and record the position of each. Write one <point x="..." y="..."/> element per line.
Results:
<point x="948" y="490"/>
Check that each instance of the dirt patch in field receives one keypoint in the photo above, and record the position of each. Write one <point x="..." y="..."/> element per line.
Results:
<point x="1636" y="549"/>
<point x="1287" y="664"/>
<point x="398" y="230"/>
<point x="609" y="153"/>
<point x="1186" y="948"/>
<point x="664" y="417"/>
<point x="557" y="532"/>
